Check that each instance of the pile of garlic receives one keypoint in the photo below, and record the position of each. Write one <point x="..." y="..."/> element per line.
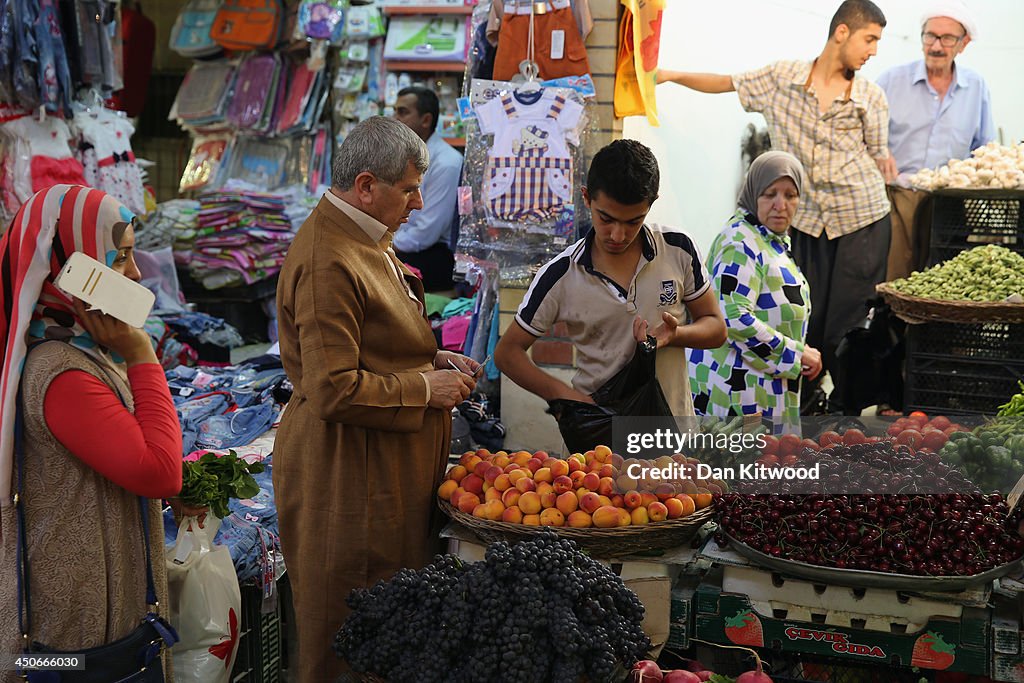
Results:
<point x="991" y="166"/>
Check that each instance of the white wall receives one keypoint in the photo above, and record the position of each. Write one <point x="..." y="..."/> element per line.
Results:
<point x="698" y="142"/>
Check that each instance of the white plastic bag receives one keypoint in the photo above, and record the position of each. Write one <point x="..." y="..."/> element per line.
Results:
<point x="205" y="604"/>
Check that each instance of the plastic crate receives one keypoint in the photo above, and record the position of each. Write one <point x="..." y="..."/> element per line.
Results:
<point x="260" y="642"/>
<point x="962" y="368"/>
<point x="963" y="220"/>
<point x="789" y="667"/>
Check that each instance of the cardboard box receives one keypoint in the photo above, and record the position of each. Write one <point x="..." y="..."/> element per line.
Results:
<point x="1007" y="640"/>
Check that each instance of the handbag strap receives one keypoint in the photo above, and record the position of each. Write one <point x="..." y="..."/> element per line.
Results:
<point x="21" y="559"/>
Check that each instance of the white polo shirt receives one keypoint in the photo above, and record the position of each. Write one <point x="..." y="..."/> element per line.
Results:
<point x="599" y="313"/>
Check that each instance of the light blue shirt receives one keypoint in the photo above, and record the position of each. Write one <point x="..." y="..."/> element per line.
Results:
<point x="433" y="223"/>
<point x="926" y="132"/>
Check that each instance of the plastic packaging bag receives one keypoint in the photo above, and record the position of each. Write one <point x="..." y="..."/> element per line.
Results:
<point x="634" y="391"/>
<point x="205" y="604"/>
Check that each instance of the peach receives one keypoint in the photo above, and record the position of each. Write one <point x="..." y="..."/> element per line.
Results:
<point x="481" y="469"/>
<point x="577" y="478"/>
<point x="606" y="486"/>
<point x="545" y="487"/>
<point x="531" y="520"/>
<point x="552" y="517"/>
<point x="647" y="498"/>
<point x="521" y="458"/>
<point x="525" y="484"/>
<point x="617" y="501"/>
<point x="517" y="474"/>
<point x="548" y="499"/>
<point x="510" y="497"/>
<point x="559" y="468"/>
<point x="625" y="483"/>
<point x="512" y="515"/>
<point x="473" y="483"/>
<point x="657" y="512"/>
<point x="674" y="507"/>
<point x="606" y="517"/>
<point x="688" y="505"/>
<point x="480" y="510"/>
<point x="447" y="488"/>
<point x="632" y="500"/>
<point x="543" y="474"/>
<point x="625" y="518"/>
<point x="594" y="467"/>
<point x="589" y="457"/>
<point x="715" y="489"/>
<point x="665" y="491"/>
<point x="607" y="471"/>
<point x="510" y="468"/>
<point x="457" y="473"/>
<point x="483" y="453"/>
<point x="501" y="461"/>
<point x="542" y="455"/>
<point x="638" y="516"/>
<point x="591" y="481"/>
<point x="616" y="461"/>
<point x="702" y="498"/>
<point x="492" y="473"/>
<point x="590" y="502"/>
<point x="533" y="464"/>
<point x="567" y="503"/>
<point x="502" y="483"/>
<point x="687" y="486"/>
<point x="562" y="484"/>
<point x="493" y="510"/>
<point x="487" y="485"/>
<point x="492" y="494"/>
<point x="465" y="457"/>
<point x="575" y="465"/>
<point x="605" y="500"/>
<point x="579" y="519"/>
<point x="602" y="453"/>
<point x="529" y="503"/>
<point x="454" y="500"/>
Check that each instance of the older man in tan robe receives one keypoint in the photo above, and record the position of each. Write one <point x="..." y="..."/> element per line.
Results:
<point x="364" y="440"/>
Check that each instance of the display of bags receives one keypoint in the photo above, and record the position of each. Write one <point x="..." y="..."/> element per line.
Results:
<point x="205" y="604"/>
<point x="254" y="93"/>
<point x="190" y="35"/>
<point x="202" y="94"/>
<point x="248" y="24"/>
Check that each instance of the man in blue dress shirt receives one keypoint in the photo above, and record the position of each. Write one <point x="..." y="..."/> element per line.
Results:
<point x="938" y="110"/>
<point x="423" y="241"/>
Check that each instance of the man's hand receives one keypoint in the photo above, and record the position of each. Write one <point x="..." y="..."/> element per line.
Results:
<point x="811" y="362"/>
<point x="449" y="360"/>
<point x="570" y="394"/>
<point x="888" y="168"/>
<point x="663" y="333"/>
<point x="448" y="388"/>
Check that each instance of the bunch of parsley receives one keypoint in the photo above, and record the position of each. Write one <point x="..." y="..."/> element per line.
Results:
<point x="211" y="481"/>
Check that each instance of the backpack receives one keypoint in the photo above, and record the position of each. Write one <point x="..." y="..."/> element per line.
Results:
<point x="248" y="24"/>
<point x="190" y="35"/>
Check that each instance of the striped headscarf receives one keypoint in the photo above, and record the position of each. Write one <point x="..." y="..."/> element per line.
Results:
<point x="52" y="225"/>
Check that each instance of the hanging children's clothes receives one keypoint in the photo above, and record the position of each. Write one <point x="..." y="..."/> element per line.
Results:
<point x="529" y="166"/>
<point x="41" y="155"/>
<point x="106" y="153"/>
<point x="557" y="37"/>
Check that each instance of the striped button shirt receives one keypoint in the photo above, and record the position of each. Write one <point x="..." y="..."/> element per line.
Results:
<point x="837" y="148"/>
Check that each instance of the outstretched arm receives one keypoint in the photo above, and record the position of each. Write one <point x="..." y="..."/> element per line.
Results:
<point x="709" y="83"/>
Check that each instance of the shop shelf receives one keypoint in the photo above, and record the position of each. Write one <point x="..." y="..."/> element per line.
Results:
<point x="966" y="219"/>
<point x="406" y="65"/>
<point x="395" y="10"/>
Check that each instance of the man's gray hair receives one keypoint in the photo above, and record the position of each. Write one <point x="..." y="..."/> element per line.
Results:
<point x="382" y="146"/>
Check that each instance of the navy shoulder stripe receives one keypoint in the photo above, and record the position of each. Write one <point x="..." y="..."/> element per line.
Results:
<point x="543" y="285"/>
<point x="682" y="241"/>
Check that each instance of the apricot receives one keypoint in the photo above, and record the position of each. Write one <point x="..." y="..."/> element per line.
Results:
<point x="590" y="502"/>
<point x="559" y="468"/>
<point x="674" y="507"/>
<point x="616" y="461"/>
<point x="545" y="487"/>
<point x="632" y="500"/>
<point x="647" y="498"/>
<point x="501" y="461"/>
<point x="521" y="458"/>
<point x="607" y="471"/>
<point x="510" y="497"/>
<point x="638" y="516"/>
<point x="525" y="484"/>
<point x="617" y="501"/>
<point x="602" y="453"/>
<point x="480" y="510"/>
<point x="492" y="494"/>
<point x="688" y="505"/>
<point x="552" y="517"/>
<point x="517" y="474"/>
<point x="591" y="481"/>
<point x="605" y="500"/>
<point x="531" y="520"/>
<point x="502" y="483"/>
<point x="625" y="483"/>
<point x="606" y="486"/>
<point x="492" y="473"/>
<point x="548" y="499"/>
<point x="606" y="517"/>
<point x="510" y="468"/>
<point x="543" y="474"/>
<point x="579" y="519"/>
<point x="657" y="512"/>
<point x="481" y="469"/>
<point x="468" y="501"/>
<point x="447" y="488"/>
<point x="575" y="465"/>
<point x="625" y="519"/>
<point x="567" y="503"/>
<point x="533" y="464"/>
<point x="484" y="454"/>
<point x="577" y="478"/>
<point x="702" y="498"/>
<point x="529" y="503"/>
<point x="454" y="500"/>
<point x="687" y="486"/>
<point x="562" y="484"/>
<point x="665" y="491"/>
<point x="493" y="510"/>
<point x="457" y="473"/>
<point x="512" y="515"/>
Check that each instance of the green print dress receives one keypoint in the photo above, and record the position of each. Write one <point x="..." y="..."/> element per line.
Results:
<point x="766" y="303"/>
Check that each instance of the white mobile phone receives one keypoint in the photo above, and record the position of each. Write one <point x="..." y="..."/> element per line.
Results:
<point x="105" y="289"/>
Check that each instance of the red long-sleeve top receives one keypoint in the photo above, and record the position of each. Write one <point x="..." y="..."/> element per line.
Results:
<point x="140" y="452"/>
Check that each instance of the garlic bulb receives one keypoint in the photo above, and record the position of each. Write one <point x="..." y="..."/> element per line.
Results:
<point x="990" y="166"/>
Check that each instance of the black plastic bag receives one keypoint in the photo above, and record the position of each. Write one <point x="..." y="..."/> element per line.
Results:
<point x="870" y="359"/>
<point x="634" y="391"/>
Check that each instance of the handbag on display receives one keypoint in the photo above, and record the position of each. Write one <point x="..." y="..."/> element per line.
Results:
<point x="254" y="93"/>
<point x="190" y="35"/>
<point x="202" y="94"/>
<point x="248" y="24"/>
<point x="136" y="658"/>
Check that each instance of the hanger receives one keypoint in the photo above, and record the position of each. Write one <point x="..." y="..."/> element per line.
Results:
<point x="528" y="67"/>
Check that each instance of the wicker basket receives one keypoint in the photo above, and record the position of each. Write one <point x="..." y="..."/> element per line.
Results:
<point x="914" y="309"/>
<point x="626" y="540"/>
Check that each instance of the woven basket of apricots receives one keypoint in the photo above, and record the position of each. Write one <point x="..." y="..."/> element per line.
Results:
<point x="595" y="498"/>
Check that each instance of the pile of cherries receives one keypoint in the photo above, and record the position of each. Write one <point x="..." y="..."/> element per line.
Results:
<point x="886" y="522"/>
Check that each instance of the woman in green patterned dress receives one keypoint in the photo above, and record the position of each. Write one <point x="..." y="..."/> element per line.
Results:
<point x="765" y="300"/>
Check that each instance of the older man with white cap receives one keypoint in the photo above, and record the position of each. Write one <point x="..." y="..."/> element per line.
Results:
<point x="938" y="110"/>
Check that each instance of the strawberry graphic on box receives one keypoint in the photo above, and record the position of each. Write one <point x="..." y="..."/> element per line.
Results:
<point x="932" y="652"/>
<point x="744" y="629"/>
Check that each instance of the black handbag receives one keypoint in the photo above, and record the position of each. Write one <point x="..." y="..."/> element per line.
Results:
<point x="132" y="659"/>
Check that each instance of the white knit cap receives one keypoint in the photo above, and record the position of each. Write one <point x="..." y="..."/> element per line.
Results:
<point x="954" y="9"/>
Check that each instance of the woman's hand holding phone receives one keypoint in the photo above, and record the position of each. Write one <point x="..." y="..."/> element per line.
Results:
<point x="131" y="343"/>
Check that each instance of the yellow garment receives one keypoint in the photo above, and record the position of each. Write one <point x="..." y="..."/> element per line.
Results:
<point x="634" y="83"/>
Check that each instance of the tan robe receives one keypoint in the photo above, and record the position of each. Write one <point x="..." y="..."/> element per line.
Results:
<point x="87" y="562"/>
<point x="358" y="454"/>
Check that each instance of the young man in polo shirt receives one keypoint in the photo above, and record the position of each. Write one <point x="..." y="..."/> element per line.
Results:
<point x="625" y="279"/>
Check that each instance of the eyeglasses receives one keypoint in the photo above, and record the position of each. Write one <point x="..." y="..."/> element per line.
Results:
<point x="947" y="40"/>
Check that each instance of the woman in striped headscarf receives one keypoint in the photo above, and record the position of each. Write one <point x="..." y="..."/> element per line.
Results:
<point x="100" y="430"/>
